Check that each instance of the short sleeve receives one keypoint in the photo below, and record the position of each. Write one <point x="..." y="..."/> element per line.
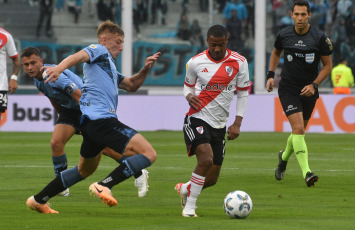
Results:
<point x="190" y="77"/>
<point x="326" y="46"/>
<point x="10" y="47"/>
<point x="278" y="42"/>
<point x="243" y="82"/>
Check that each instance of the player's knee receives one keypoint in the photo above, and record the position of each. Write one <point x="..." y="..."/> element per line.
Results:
<point x="57" y="146"/>
<point x="151" y="154"/>
<point x="205" y="162"/>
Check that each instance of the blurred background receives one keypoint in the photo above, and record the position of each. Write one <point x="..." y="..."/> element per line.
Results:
<point x="177" y="28"/>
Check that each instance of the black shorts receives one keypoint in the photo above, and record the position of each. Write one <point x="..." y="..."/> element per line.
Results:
<point x="197" y="131"/>
<point x="98" y="134"/>
<point x="3" y="101"/>
<point x="292" y="102"/>
<point x="70" y="117"/>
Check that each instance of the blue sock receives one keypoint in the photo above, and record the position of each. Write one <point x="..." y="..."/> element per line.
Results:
<point x="71" y="177"/>
<point x="137" y="162"/>
<point x="60" y="164"/>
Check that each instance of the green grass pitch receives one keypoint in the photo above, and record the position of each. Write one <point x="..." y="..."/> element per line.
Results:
<point x="26" y="167"/>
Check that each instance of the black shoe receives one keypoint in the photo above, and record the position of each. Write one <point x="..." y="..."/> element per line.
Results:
<point x="281" y="167"/>
<point x="311" y="179"/>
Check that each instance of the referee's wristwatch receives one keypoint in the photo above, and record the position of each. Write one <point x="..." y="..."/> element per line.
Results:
<point x="315" y="85"/>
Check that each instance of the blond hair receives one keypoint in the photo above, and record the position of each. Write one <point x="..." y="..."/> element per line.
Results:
<point x="108" y="27"/>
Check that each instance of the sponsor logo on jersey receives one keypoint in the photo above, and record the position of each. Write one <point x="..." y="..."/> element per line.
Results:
<point x="290" y="108"/>
<point x="216" y="87"/>
<point x="93" y="46"/>
<point x="300" y="43"/>
<point x="200" y="129"/>
<point x="205" y="70"/>
<point x="310" y="58"/>
<point x="112" y="111"/>
<point x="289" y="57"/>
<point x="229" y="70"/>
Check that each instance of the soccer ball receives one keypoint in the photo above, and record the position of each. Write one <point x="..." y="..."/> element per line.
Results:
<point x="238" y="204"/>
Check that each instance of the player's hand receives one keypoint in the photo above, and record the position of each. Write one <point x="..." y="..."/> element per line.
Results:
<point x="150" y="61"/>
<point x="12" y="86"/>
<point x="233" y="132"/>
<point x="308" y="91"/>
<point x="193" y="101"/>
<point x="270" y="85"/>
<point x="52" y="73"/>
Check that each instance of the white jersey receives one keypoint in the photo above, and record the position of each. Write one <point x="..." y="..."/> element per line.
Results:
<point x="7" y="47"/>
<point x="215" y="83"/>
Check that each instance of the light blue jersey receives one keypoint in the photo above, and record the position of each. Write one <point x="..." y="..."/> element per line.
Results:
<point x="61" y="90"/>
<point x="100" y="90"/>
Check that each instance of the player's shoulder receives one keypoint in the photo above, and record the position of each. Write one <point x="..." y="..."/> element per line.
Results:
<point x="237" y="56"/>
<point x="288" y="31"/>
<point x="200" y="55"/>
<point x="3" y="31"/>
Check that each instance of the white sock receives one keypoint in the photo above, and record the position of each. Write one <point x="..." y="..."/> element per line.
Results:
<point x="196" y="183"/>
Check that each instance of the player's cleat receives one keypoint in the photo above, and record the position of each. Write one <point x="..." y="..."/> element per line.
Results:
<point x="188" y="213"/>
<point x="142" y="183"/>
<point x="182" y="196"/>
<point x="103" y="193"/>
<point x="311" y="179"/>
<point x="41" y="208"/>
<point x="64" y="193"/>
<point x="281" y="167"/>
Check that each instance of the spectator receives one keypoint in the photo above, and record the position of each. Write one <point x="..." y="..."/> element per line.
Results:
<point x="235" y="31"/>
<point x="45" y="15"/>
<point x="74" y="7"/>
<point x="196" y="37"/>
<point x="59" y="5"/>
<point x="104" y="11"/>
<point x="350" y="26"/>
<point x="159" y="7"/>
<point x="183" y="28"/>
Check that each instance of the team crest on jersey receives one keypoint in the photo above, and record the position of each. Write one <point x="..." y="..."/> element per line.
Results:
<point x="229" y="70"/>
<point x="310" y="58"/>
<point x="200" y="129"/>
<point x="93" y="46"/>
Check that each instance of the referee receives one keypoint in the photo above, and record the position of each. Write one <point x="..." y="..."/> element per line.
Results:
<point x="303" y="46"/>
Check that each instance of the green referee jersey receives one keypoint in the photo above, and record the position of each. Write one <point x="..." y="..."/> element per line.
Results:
<point x="342" y="76"/>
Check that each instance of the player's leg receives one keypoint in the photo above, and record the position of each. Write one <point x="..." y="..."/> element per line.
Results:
<point x="298" y="141"/>
<point x="63" y="181"/>
<point x="218" y="145"/>
<point x="61" y="135"/>
<point x="141" y="177"/>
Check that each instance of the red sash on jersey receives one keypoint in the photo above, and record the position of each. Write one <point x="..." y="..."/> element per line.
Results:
<point x="224" y="75"/>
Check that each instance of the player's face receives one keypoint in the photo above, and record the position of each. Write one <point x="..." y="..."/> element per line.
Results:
<point x="114" y="44"/>
<point x="300" y="17"/>
<point x="217" y="47"/>
<point x="32" y="66"/>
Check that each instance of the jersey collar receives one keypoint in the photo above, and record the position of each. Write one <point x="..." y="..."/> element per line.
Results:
<point x="228" y="53"/>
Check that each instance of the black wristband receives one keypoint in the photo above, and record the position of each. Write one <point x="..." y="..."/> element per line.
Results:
<point x="270" y="74"/>
<point x="315" y="85"/>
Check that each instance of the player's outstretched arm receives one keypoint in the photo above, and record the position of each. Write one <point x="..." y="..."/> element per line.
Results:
<point x="53" y="72"/>
<point x="132" y="84"/>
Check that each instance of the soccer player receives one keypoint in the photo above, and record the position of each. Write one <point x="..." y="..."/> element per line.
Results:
<point x="342" y="78"/>
<point x="64" y="94"/>
<point x="212" y="77"/>
<point x="303" y="46"/>
<point x="99" y="124"/>
<point x="7" y="47"/>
